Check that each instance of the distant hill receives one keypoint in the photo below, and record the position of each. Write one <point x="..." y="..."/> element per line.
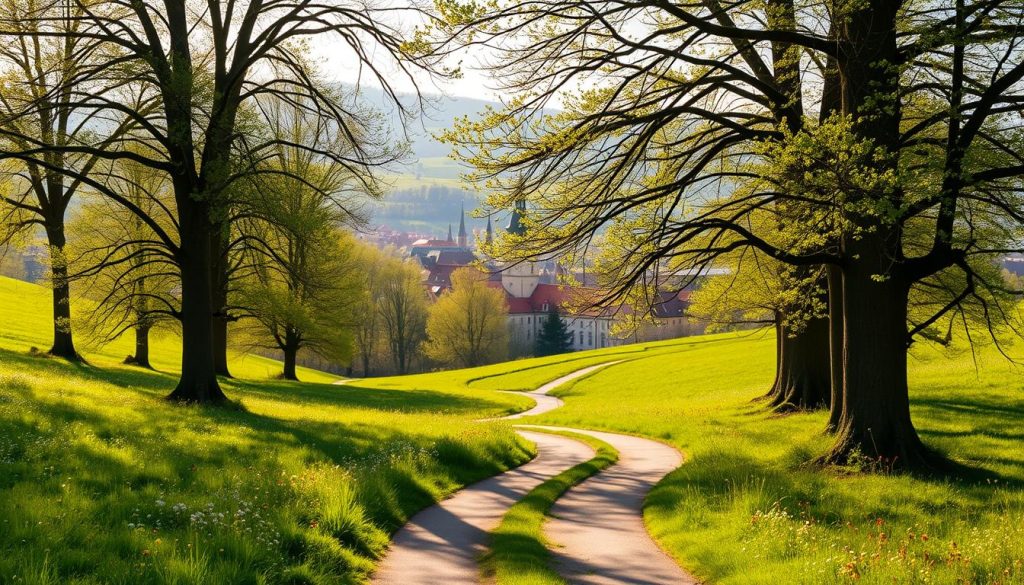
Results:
<point x="426" y="194"/>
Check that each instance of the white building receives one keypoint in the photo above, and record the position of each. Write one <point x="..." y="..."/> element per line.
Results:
<point x="530" y="301"/>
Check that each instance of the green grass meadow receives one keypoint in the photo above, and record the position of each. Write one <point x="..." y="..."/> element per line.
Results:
<point x="747" y="508"/>
<point x="102" y="481"/>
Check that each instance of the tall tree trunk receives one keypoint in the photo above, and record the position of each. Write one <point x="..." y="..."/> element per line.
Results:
<point x="142" y="346"/>
<point x="198" y="383"/>
<point x="290" y="354"/>
<point x="803" y="377"/>
<point x="220" y="347"/>
<point x="780" y="334"/>
<point x="220" y="301"/>
<point x="874" y="421"/>
<point x="875" y="418"/>
<point x="63" y="339"/>
<point x="835" y="343"/>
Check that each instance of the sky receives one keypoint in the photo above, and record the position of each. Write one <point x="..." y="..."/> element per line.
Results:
<point x="339" y="64"/>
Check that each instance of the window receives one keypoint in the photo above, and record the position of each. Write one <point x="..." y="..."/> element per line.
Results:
<point x="581" y="338"/>
<point x="602" y="340"/>
<point x="590" y="338"/>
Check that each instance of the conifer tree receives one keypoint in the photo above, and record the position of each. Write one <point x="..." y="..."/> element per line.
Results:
<point x="554" y="337"/>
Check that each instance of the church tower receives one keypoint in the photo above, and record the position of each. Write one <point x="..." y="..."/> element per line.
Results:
<point x="463" y="239"/>
<point x="519" y="279"/>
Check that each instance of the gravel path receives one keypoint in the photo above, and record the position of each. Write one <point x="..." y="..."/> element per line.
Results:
<point x="440" y="545"/>
<point x="547" y="403"/>
<point x="597" y="526"/>
<point x="613" y="546"/>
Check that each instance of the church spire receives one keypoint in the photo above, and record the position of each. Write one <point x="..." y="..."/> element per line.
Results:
<point x="450" y="233"/>
<point x="490" y="231"/>
<point x="515" y="223"/>
<point x="463" y="240"/>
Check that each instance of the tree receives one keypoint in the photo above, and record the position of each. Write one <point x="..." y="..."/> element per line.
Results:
<point x="368" y="334"/>
<point x="43" y="53"/>
<point x="201" y="70"/>
<point x="303" y="287"/>
<point x="402" y="306"/>
<point x="468" y="326"/>
<point x="554" y="337"/>
<point x="121" y="264"/>
<point x="670" y="130"/>
<point x="307" y="302"/>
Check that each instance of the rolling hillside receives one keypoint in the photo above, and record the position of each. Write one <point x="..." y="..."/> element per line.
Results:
<point x="102" y="481"/>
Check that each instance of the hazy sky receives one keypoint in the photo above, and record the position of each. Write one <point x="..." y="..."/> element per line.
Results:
<point x="340" y="65"/>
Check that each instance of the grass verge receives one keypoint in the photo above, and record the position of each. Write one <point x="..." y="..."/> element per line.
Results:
<point x="518" y="554"/>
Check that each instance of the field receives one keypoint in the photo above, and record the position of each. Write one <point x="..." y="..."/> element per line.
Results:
<point x="747" y="508"/>
<point x="102" y="481"/>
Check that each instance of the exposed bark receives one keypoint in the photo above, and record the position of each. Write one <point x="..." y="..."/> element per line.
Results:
<point x="63" y="338"/>
<point x="803" y="377"/>
<point x="220" y="347"/>
<point x="141" y="357"/>
<point x="289" y="344"/>
<point x="290" y="354"/>
<point x="835" y="325"/>
<point x="198" y="383"/>
<point x="874" y="421"/>
<point x="221" y="283"/>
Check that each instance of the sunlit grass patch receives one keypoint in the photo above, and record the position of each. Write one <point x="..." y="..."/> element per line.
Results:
<point x="747" y="508"/>
<point x="103" y="481"/>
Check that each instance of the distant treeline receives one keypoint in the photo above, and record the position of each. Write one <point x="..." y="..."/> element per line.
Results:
<point x="427" y="207"/>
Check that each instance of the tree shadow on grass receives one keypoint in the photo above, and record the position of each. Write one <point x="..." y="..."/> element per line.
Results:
<point x="122" y="377"/>
<point x="406" y="400"/>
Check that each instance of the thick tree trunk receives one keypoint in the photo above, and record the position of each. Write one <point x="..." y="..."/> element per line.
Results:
<point x="198" y="383"/>
<point x="290" y="354"/>
<point x="835" y="325"/>
<point x="220" y="347"/>
<point x="141" y="357"/>
<point x="63" y="339"/>
<point x="803" y="376"/>
<point x="220" y="301"/>
<point x="874" y="423"/>
<point x="780" y="334"/>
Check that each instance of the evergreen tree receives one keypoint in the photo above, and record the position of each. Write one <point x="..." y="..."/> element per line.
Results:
<point x="554" y="336"/>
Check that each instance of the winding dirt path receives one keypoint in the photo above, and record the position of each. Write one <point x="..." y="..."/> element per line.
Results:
<point x="440" y="545"/>
<point x="546" y="402"/>
<point x="597" y="526"/>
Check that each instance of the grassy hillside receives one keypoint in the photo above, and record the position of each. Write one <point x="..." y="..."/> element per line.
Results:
<point x="25" y="322"/>
<point x="746" y="507"/>
<point x="102" y="481"/>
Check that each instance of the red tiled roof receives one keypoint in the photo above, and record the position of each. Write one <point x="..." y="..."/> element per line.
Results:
<point x="671" y="304"/>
